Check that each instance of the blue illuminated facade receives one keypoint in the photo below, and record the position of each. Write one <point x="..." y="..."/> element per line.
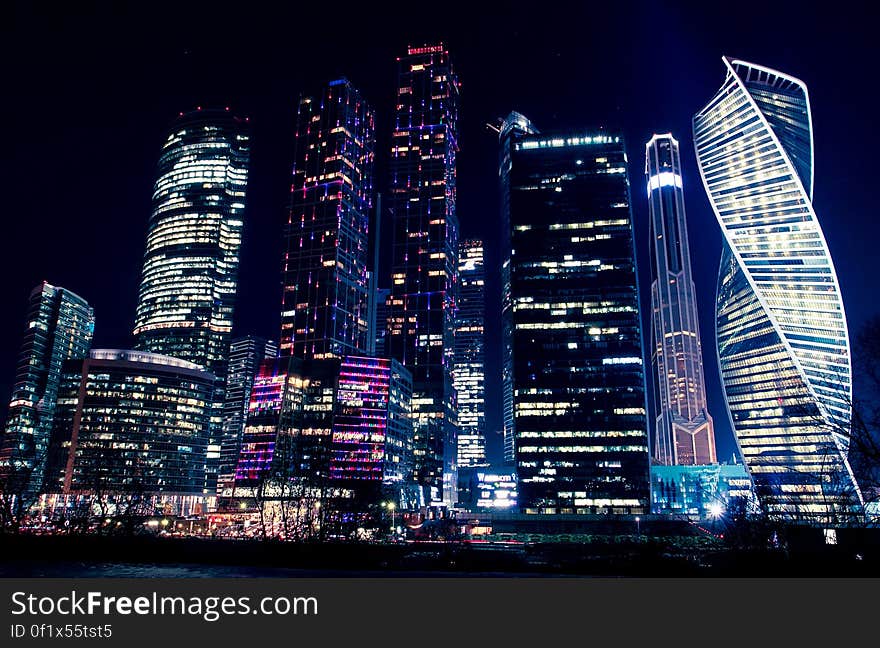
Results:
<point x="59" y="327"/>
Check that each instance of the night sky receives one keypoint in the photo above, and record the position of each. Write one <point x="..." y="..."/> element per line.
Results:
<point x="90" y="89"/>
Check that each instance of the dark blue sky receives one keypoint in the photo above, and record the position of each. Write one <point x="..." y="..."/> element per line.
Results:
<point x="90" y="88"/>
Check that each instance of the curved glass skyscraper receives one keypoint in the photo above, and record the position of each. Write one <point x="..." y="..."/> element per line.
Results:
<point x="190" y="272"/>
<point x="783" y="347"/>
<point x="685" y="433"/>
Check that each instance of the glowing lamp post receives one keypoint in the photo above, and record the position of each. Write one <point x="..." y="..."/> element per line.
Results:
<point x="390" y="506"/>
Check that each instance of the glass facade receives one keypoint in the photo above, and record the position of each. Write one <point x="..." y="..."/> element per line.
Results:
<point x="289" y="424"/>
<point x="513" y="127"/>
<point x="372" y="428"/>
<point x="470" y="354"/>
<point x="131" y="421"/>
<point x="684" y="433"/>
<point x="190" y="274"/>
<point x="187" y="292"/>
<point x="424" y="266"/>
<point x="578" y="375"/>
<point x="245" y="356"/>
<point x="781" y="332"/>
<point x="329" y="422"/>
<point x="59" y="327"/>
<point x="699" y="491"/>
<point x="325" y="309"/>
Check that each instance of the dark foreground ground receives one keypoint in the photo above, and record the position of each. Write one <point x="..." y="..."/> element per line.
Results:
<point x="92" y="556"/>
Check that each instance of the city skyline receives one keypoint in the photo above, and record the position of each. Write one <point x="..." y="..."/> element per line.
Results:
<point x="118" y="259"/>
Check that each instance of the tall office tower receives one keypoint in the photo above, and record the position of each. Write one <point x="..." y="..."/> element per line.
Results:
<point x="59" y="327"/>
<point x="685" y="433"/>
<point x="513" y="127"/>
<point x="245" y="356"/>
<point x="470" y="354"/>
<point x="578" y="375"/>
<point x="131" y="421"/>
<point x="783" y="345"/>
<point x="325" y="305"/>
<point x="187" y="293"/>
<point x="424" y="256"/>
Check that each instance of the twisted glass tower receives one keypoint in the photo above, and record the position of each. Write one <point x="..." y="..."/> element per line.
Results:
<point x="685" y="433"/>
<point x="783" y="346"/>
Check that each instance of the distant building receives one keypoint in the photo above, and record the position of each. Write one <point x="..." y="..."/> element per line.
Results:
<point x="424" y="266"/>
<point x="684" y="432"/>
<point x="59" y="327"/>
<point x="470" y="354"/>
<point x="781" y="331"/>
<point x="698" y="491"/>
<point x="245" y="356"/>
<point x="578" y="375"/>
<point x="190" y="273"/>
<point x="131" y="421"/>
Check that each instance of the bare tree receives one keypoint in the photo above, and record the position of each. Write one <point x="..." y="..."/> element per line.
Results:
<point x="19" y="485"/>
<point x="865" y="434"/>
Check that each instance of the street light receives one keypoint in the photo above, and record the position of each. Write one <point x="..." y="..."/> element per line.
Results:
<point x="390" y="506"/>
<point x="638" y="528"/>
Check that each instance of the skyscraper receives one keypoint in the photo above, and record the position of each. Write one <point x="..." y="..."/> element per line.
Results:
<point x="424" y="255"/>
<point x="325" y="305"/>
<point x="684" y="433"/>
<point x="245" y="356"/>
<point x="187" y="292"/>
<point x="59" y="327"/>
<point x="326" y="309"/>
<point x="783" y="346"/>
<point x="470" y="354"/>
<point x="578" y="375"/>
<point x="513" y="127"/>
